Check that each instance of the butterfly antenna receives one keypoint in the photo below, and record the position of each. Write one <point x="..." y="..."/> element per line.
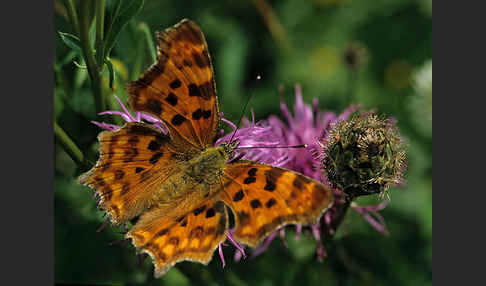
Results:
<point x="244" y="109"/>
<point x="272" y="147"/>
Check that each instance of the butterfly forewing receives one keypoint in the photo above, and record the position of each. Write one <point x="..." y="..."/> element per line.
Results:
<point x="264" y="198"/>
<point x="180" y="87"/>
<point x="133" y="160"/>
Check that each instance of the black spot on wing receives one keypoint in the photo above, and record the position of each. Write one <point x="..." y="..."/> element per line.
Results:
<point x="193" y="90"/>
<point x="178" y="119"/>
<point x="238" y="196"/>
<point x="210" y="213"/>
<point x="199" y="210"/>
<point x="249" y="180"/>
<point x="154" y="145"/>
<point x="196" y="115"/>
<point x="175" y="84"/>
<point x="206" y="114"/>
<point x="271" y="177"/>
<point x="155" y="158"/>
<point x="171" y="99"/>
<point x="154" y="106"/>
<point x="255" y="204"/>
<point x="271" y="202"/>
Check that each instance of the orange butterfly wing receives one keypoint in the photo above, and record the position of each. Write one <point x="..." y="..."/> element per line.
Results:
<point x="263" y="198"/>
<point x="133" y="160"/>
<point x="181" y="235"/>
<point x="179" y="88"/>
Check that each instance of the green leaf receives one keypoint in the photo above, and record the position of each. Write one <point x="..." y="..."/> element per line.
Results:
<point x="71" y="41"/>
<point x="144" y="29"/>
<point x="68" y="58"/>
<point x="118" y="14"/>
<point x="111" y="71"/>
<point x="58" y="102"/>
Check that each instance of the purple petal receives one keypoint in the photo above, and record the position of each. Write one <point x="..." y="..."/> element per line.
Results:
<point x="229" y="236"/>
<point x="106" y="126"/>
<point x="321" y="252"/>
<point x="374" y="208"/>
<point x="237" y="256"/>
<point x="282" y="236"/>
<point x="266" y="243"/>
<point x="369" y="211"/>
<point x="119" y="113"/>
<point x="298" y="231"/>
<point x="221" y="256"/>
<point x="125" y="109"/>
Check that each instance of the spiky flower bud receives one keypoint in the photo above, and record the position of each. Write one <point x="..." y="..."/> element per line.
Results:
<point x="364" y="155"/>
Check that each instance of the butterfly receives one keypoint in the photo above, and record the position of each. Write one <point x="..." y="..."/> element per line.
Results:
<point x="179" y="187"/>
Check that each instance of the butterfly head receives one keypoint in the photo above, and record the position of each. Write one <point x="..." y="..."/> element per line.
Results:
<point x="229" y="147"/>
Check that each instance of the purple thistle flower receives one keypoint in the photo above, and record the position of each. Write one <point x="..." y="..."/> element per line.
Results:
<point x="128" y="117"/>
<point x="308" y="126"/>
<point x="258" y="134"/>
<point x="305" y="127"/>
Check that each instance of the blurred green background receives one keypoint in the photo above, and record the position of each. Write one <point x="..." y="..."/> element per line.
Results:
<point x="285" y="42"/>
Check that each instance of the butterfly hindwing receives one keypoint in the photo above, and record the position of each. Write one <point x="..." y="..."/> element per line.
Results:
<point x="179" y="88"/>
<point x="263" y="198"/>
<point x="181" y="235"/>
<point x="133" y="159"/>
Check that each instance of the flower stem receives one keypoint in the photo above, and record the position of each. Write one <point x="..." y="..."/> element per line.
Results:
<point x="69" y="146"/>
<point x="100" y="20"/>
<point x="342" y="210"/>
<point x="94" y="69"/>
<point x="73" y="15"/>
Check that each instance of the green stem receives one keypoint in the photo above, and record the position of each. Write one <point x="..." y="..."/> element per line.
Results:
<point x="138" y="63"/>
<point x="100" y="23"/>
<point x="73" y="16"/>
<point x="93" y="68"/>
<point x="143" y="31"/>
<point x="69" y="146"/>
<point x="150" y="43"/>
<point x="342" y="210"/>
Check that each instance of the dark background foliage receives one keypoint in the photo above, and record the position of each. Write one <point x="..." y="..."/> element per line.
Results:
<point x="286" y="42"/>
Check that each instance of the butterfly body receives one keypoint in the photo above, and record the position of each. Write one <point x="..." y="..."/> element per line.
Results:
<point x="207" y="167"/>
<point x="197" y="178"/>
<point x="179" y="184"/>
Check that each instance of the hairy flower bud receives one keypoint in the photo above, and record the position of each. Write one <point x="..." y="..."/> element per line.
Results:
<point x="364" y="155"/>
